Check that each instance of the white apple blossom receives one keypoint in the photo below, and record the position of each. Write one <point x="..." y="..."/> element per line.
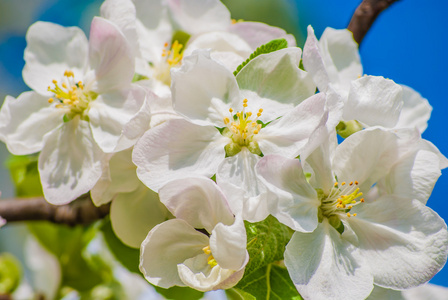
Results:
<point x="204" y="248"/>
<point x="222" y="132"/>
<point x="334" y="61"/>
<point x="82" y="99"/>
<point x="349" y="235"/>
<point x="135" y="209"/>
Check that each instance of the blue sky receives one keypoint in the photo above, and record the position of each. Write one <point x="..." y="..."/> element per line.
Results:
<point x="408" y="44"/>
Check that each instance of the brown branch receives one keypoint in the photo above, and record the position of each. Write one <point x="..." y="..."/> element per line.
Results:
<point x="365" y="15"/>
<point x="80" y="211"/>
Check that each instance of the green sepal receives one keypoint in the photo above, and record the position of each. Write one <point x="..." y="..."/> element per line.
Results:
<point x="271" y="46"/>
<point x="347" y="128"/>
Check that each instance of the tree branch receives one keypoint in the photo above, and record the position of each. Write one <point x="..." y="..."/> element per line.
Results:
<point x="364" y="16"/>
<point x="80" y="211"/>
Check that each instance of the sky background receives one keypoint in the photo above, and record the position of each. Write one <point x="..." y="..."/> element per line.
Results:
<point x="408" y="43"/>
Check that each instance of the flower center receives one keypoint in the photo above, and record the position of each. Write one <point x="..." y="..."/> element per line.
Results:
<point x="172" y="58"/>
<point x="242" y="130"/>
<point x="210" y="260"/>
<point x="71" y="95"/>
<point x="341" y="199"/>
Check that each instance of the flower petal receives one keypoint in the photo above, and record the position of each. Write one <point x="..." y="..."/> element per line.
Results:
<point x="200" y="15"/>
<point x="198" y="201"/>
<point x="177" y="149"/>
<point x="203" y="89"/>
<point x="404" y="242"/>
<point x="109" y="114"/>
<point x="24" y="122"/>
<point x="274" y="82"/>
<point x="321" y="266"/>
<point x="245" y="192"/>
<point x="167" y="245"/>
<point x="51" y="50"/>
<point x="297" y="200"/>
<point x="134" y="214"/>
<point x="110" y="56"/>
<point x="70" y="163"/>
<point x="416" y="110"/>
<point x="228" y="245"/>
<point x="374" y="100"/>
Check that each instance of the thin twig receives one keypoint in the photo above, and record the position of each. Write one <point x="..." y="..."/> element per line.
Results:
<point x="80" y="211"/>
<point x="364" y="16"/>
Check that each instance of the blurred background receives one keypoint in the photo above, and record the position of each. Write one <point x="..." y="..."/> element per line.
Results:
<point x="407" y="44"/>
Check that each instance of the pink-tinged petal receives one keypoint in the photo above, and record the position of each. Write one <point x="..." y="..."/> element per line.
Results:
<point x="374" y="100"/>
<point x="291" y="134"/>
<point x="314" y="62"/>
<point x="228" y="245"/>
<point x="25" y="121"/>
<point x="110" y="56"/>
<point x="275" y="82"/>
<point x="341" y="56"/>
<point x="119" y="176"/>
<point x="110" y="113"/>
<point x="167" y="245"/>
<point x="70" y="163"/>
<point x="134" y="214"/>
<point x="203" y="90"/>
<point x="369" y="155"/>
<point x="416" y="110"/>
<point x="200" y="16"/>
<point x="322" y="266"/>
<point x="257" y="34"/>
<point x="297" y="203"/>
<point x="404" y="242"/>
<point x="178" y="149"/>
<point x="2" y="221"/>
<point x="245" y="192"/>
<point x="51" y="50"/>
<point x="198" y="201"/>
<point x="123" y="14"/>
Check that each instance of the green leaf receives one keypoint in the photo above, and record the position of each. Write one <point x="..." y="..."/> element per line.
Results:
<point x="269" y="282"/>
<point x="25" y="175"/>
<point x="127" y="256"/>
<point x="272" y="46"/>
<point x="237" y="294"/>
<point x="179" y="293"/>
<point x="10" y="273"/>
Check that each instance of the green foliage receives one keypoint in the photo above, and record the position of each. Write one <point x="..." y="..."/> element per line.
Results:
<point x="127" y="256"/>
<point x="10" y="273"/>
<point x="263" y="277"/>
<point x="25" y="176"/>
<point x="272" y="46"/>
<point x="179" y="293"/>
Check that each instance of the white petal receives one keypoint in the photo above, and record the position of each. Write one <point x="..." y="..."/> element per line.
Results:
<point x="200" y="16"/>
<point x="245" y="192"/>
<point x="340" y="54"/>
<point x="51" y="50"/>
<point x="203" y="89"/>
<point x="70" y="162"/>
<point x="321" y="266"/>
<point x="297" y="200"/>
<point x="109" y="114"/>
<point x="274" y="82"/>
<point x="110" y="56"/>
<point x="198" y="201"/>
<point x="134" y="214"/>
<point x="228" y="245"/>
<point x="119" y="176"/>
<point x="299" y="131"/>
<point x="416" y="110"/>
<point x="321" y="169"/>
<point x="428" y="291"/>
<point x="24" y="122"/>
<point x="257" y="34"/>
<point x="166" y="246"/>
<point x="314" y="62"/>
<point x="177" y="149"/>
<point x="374" y="100"/>
<point x="404" y="242"/>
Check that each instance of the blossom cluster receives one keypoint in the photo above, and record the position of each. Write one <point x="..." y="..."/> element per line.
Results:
<point x="194" y="125"/>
